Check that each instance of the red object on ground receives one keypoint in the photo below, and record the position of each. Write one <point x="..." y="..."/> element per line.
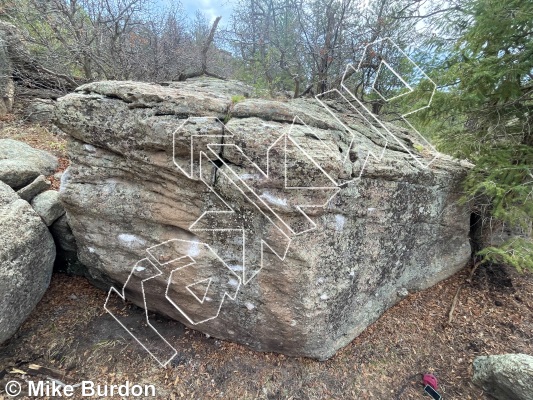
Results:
<point x="429" y="379"/>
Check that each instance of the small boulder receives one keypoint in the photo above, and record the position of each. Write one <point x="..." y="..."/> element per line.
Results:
<point x="27" y="254"/>
<point x="48" y="206"/>
<point x="39" y="185"/>
<point x="20" y="164"/>
<point x="505" y="377"/>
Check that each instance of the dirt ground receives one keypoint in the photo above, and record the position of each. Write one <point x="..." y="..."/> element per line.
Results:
<point x="70" y="338"/>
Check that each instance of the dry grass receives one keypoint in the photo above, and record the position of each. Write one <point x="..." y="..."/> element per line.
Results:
<point x="36" y="135"/>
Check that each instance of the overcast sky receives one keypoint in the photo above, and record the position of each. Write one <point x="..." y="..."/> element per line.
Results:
<point x="211" y="8"/>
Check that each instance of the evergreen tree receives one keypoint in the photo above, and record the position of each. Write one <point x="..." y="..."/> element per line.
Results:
<point x="485" y="114"/>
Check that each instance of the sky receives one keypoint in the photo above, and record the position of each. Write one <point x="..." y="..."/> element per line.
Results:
<point x="211" y="8"/>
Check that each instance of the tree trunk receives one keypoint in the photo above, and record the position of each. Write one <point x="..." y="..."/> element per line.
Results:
<point x="6" y="79"/>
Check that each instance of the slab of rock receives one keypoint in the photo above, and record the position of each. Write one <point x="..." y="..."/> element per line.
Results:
<point x="27" y="254"/>
<point x="337" y="216"/>
<point x="20" y="164"/>
<point x="39" y="185"/>
<point x="505" y="377"/>
<point x="48" y="206"/>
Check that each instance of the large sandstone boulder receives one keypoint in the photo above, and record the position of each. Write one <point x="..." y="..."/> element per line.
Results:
<point x="338" y="218"/>
<point x="27" y="254"/>
<point x="505" y="377"/>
